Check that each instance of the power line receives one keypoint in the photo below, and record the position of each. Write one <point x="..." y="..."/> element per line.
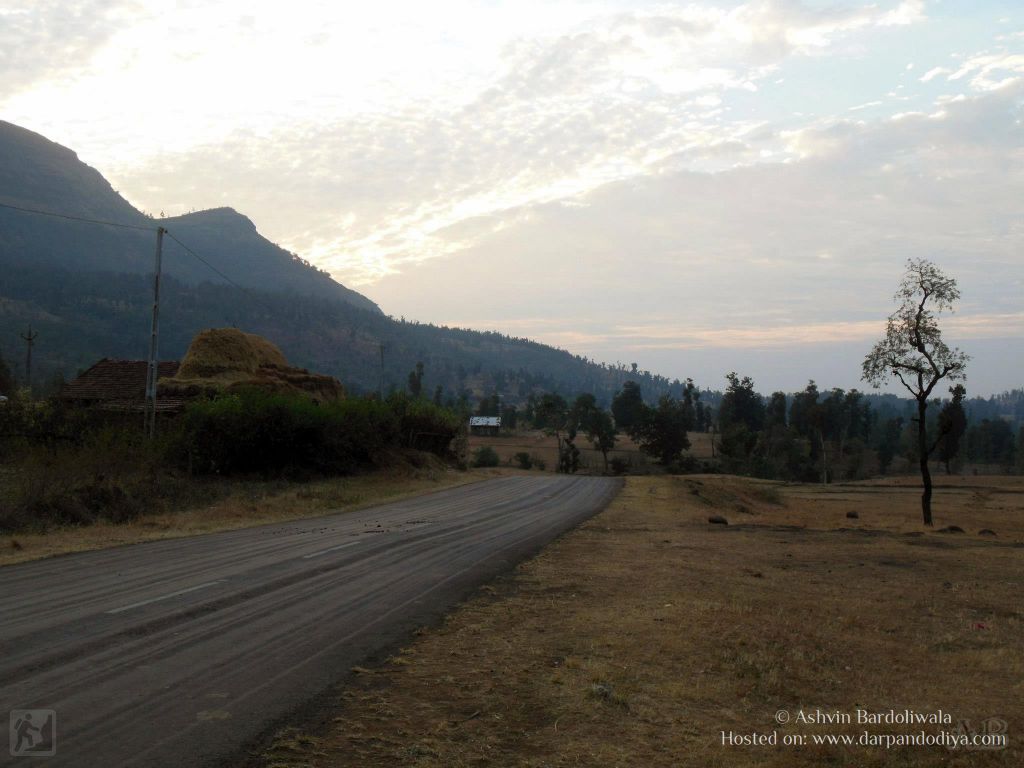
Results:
<point x="143" y="229"/>
<point x="255" y="297"/>
<point x="77" y="218"/>
<point x="208" y="264"/>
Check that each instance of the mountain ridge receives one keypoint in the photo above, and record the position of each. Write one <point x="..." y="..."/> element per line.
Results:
<point x="37" y="173"/>
<point x="87" y="290"/>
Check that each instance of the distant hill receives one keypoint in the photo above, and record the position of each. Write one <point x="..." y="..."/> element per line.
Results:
<point x="37" y="173"/>
<point x="84" y="316"/>
<point x="87" y="290"/>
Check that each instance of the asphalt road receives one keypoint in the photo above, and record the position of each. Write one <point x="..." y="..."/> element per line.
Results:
<point x="182" y="652"/>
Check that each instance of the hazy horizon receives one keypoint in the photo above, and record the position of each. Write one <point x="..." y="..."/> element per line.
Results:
<point x="702" y="188"/>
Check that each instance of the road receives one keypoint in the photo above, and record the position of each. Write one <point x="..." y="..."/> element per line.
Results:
<point x="183" y="652"/>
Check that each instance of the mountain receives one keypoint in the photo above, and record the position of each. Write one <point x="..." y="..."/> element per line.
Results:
<point x="84" y="316"/>
<point x="36" y="173"/>
<point x="86" y="289"/>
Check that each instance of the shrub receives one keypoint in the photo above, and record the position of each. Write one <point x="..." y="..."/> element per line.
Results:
<point x="485" y="457"/>
<point x="524" y="460"/>
<point x="115" y="474"/>
<point x="424" y="425"/>
<point x="619" y="465"/>
<point x="251" y="431"/>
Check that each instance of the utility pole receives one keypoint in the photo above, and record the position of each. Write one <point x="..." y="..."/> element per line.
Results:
<point x="151" y="372"/>
<point x="381" y="395"/>
<point x="30" y="339"/>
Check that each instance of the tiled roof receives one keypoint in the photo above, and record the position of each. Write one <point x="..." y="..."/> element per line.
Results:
<point x="120" y="381"/>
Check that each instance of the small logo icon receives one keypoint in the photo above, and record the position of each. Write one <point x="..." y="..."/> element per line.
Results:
<point x="33" y="732"/>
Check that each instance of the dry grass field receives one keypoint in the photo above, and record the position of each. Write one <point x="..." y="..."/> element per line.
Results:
<point x="545" y="447"/>
<point x="641" y="637"/>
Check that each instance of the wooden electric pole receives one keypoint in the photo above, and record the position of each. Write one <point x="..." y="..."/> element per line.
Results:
<point x="30" y="340"/>
<point x="151" y="372"/>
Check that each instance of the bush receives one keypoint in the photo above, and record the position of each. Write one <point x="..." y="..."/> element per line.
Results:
<point x="252" y="431"/>
<point x="115" y="474"/>
<point x="485" y="457"/>
<point x="524" y="460"/>
<point x="423" y="425"/>
<point x="619" y="465"/>
<point x="76" y="466"/>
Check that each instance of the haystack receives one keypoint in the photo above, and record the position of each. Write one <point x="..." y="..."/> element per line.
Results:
<point x="225" y="359"/>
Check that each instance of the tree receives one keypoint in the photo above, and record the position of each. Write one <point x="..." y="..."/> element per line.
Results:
<point x="913" y="352"/>
<point x="740" y="418"/>
<point x="741" y="404"/>
<point x="600" y="431"/>
<point x="551" y="413"/>
<point x="801" y="410"/>
<point x="952" y="425"/>
<point x="628" y="406"/>
<point x="888" y="443"/>
<point x="775" y="415"/>
<point x="509" y="418"/>
<point x="662" y="433"/>
<point x="1020" y="451"/>
<point x="416" y="381"/>
<point x="595" y="423"/>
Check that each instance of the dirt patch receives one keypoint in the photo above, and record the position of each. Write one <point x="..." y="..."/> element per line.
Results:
<point x="642" y="636"/>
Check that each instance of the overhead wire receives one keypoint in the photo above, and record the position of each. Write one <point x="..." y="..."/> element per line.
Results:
<point x="77" y="218"/>
<point x="138" y="227"/>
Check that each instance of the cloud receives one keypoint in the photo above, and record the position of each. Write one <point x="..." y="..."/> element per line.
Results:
<point x="932" y="73"/>
<point x="733" y="259"/>
<point x="51" y="38"/>
<point x="991" y="71"/>
<point x="664" y="179"/>
<point x="616" y="96"/>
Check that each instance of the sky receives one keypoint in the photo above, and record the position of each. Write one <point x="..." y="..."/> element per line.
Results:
<point x="695" y="187"/>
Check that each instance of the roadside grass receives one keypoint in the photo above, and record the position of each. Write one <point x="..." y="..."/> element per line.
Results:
<point x="220" y="505"/>
<point x="640" y="637"/>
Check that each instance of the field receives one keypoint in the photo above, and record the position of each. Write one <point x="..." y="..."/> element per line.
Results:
<point x="648" y="633"/>
<point x="545" y="447"/>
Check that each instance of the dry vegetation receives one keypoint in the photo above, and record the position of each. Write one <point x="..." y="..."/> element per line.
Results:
<point x="226" y="358"/>
<point x="545" y="447"/>
<point x="242" y="504"/>
<point x="637" y="639"/>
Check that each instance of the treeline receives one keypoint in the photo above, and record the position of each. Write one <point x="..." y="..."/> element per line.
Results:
<point x="837" y="435"/>
<point x="808" y="436"/>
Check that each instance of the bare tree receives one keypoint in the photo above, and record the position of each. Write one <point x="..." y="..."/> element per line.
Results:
<point x="913" y="352"/>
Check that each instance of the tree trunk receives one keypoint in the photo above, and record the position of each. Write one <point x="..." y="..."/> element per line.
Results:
<point x="926" y="475"/>
<point x="824" y="458"/>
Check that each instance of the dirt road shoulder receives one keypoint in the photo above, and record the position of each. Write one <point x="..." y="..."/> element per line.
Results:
<point x="647" y="634"/>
